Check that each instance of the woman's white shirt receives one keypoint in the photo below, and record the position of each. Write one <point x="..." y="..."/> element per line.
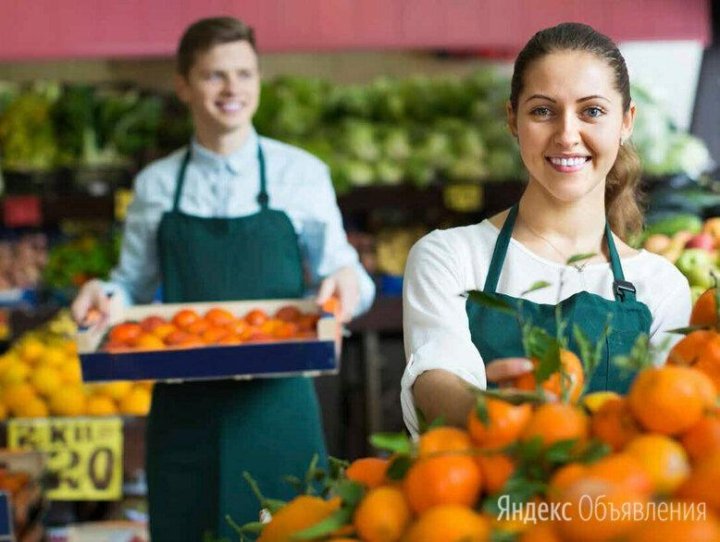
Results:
<point x="445" y="264"/>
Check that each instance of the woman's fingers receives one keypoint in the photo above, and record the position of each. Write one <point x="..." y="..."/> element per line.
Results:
<point x="507" y="368"/>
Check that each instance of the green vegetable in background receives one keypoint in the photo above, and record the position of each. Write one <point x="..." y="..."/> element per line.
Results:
<point x="27" y="137"/>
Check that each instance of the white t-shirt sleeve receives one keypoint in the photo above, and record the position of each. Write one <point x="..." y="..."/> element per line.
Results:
<point x="435" y="323"/>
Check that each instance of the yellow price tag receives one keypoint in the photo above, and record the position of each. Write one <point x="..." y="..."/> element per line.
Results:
<point x="463" y="198"/>
<point x="123" y="197"/>
<point x="84" y="455"/>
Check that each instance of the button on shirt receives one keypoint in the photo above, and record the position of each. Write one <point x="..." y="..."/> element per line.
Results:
<point x="227" y="187"/>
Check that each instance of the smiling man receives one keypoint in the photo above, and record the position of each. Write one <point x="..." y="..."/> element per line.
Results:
<point x="233" y="215"/>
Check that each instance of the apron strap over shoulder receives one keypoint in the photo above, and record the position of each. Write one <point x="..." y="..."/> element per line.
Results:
<point x="262" y="197"/>
<point x="622" y="289"/>
<point x="501" y="246"/>
<point x="180" y="180"/>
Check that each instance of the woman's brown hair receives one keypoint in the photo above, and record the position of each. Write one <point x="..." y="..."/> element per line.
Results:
<point x="206" y="33"/>
<point x="621" y="189"/>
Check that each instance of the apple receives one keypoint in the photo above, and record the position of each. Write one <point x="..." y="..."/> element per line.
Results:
<point x="704" y="241"/>
<point x="697" y="265"/>
<point x="681" y="238"/>
<point x="657" y="243"/>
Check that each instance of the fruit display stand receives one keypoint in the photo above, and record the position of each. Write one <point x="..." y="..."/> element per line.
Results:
<point x="41" y="390"/>
<point x="527" y="467"/>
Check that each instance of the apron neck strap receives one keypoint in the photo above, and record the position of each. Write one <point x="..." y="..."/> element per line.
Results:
<point x="622" y="289"/>
<point x="262" y="197"/>
<point x="501" y="246"/>
<point x="181" y="180"/>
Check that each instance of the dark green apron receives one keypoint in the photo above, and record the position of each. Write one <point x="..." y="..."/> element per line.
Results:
<point x="497" y="334"/>
<point x="201" y="436"/>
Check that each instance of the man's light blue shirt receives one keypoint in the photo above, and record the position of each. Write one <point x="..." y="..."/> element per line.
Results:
<point x="227" y="187"/>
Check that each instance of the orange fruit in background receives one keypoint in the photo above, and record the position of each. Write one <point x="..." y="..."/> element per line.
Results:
<point x="148" y="341"/>
<point x="703" y="483"/>
<point x="230" y="340"/>
<point x="564" y="477"/>
<point x="542" y="532"/>
<point x="163" y="330"/>
<point x="183" y="339"/>
<point x="136" y="402"/>
<point x="443" y="440"/>
<point x="285" y="330"/>
<point x="126" y="333"/>
<point x="708" y="362"/>
<point x="68" y="401"/>
<point x="300" y="513"/>
<point x="218" y="317"/>
<point x="46" y="379"/>
<point x="115" y="390"/>
<point x="496" y="469"/>
<point x="623" y="469"/>
<point x="449" y="523"/>
<point x="331" y="305"/>
<point x="198" y="327"/>
<point x="308" y="322"/>
<point x="184" y="317"/>
<point x="579" y="522"/>
<point x="571" y="377"/>
<point x="288" y="313"/>
<point x="505" y="423"/>
<point x="149" y="323"/>
<point x="34" y="408"/>
<point x="368" y="471"/>
<point x="614" y="424"/>
<point x="256" y="317"/>
<point x="442" y="479"/>
<point x="15" y="395"/>
<point x="670" y="529"/>
<point x="663" y="458"/>
<point x="213" y="335"/>
<point x="688" y="349"/>
<point x="670" y="399"/>
<point x="238" y="327"/>
<point x="703" y="438"/>
<point x="382" y="515"/>
<point x="704" y="312"/>
<point x="553" y="422"/>
<point x="99" y="405"/>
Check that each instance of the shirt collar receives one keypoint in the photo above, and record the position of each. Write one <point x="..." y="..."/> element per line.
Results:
<point x="236" y="162"/>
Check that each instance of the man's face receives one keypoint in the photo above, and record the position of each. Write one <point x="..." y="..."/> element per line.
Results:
<point x="222" y="88"/>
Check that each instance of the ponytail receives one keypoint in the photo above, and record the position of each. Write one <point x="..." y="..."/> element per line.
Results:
<point x="622" y="193"/>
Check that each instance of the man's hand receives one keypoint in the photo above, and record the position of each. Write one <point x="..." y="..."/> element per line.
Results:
<point x="343" y="283"/>
<point x="92" y="305"/>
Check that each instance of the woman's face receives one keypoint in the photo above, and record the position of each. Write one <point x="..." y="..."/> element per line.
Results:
<point x="569" y="123"/>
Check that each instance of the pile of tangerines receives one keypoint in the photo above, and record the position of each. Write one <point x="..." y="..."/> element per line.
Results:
<point x="40" y="376"/>
<point x="187" y="328"/>
<point x="602" y="467"/>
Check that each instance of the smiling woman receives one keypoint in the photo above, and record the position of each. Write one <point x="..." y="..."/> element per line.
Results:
<point x="571" y="112"/>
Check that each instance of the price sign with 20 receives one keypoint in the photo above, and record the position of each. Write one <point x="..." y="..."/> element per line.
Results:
<point x="84" y="455"/>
